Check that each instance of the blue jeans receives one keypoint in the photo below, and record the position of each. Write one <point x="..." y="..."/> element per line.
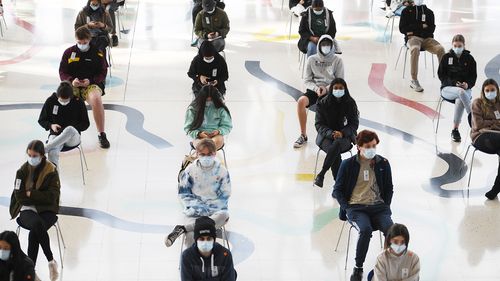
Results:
<point x="311" y="49"/>
<point x="366" y="219"/>
<point x="462" y="100"/>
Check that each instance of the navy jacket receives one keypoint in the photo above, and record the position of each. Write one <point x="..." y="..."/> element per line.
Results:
<point x="218" y="267"/>
<point x="348" y="176"/>
<point x="412" y="20"/>
<point x="73" y="114"/>
<point x="453" y="69"/>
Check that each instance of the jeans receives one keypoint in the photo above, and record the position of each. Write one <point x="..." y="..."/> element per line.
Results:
<point x="219" y="44"/>
<point x="38" y="224"/>
<point x="68" y="137"/>
<point x="462" y="100"/>
<point x="220" y="218"/>
<point x="311" y="49"/>
<point x="333" y="149"/>
<point x="366" y="219"/>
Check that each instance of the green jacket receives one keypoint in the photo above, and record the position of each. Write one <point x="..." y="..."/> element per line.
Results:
<point x="214" y="119"/>
<point x="45" y="195"/>
<point x="217" y="22"/>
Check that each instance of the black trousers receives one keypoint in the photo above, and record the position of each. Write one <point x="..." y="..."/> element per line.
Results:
<point x="333" y="149"/>
<point x="490" y="143"/>
<point x="38" y="224"/>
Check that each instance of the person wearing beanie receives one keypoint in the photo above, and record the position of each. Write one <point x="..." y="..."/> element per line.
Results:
<point x="208" y="67"/>
<point x="65" y="117"/>
<point x="14" y="264"/>
<point x="206" y="259"/>
<point x="204" y="190"/>
<point x="97" y="19"/>
<point x="197" y="8"/>
<point x="211" y="24"/>
<point x="315" y="22"/>
<point x="321" y="69"/>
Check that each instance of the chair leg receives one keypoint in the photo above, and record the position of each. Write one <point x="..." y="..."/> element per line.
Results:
<point x="81" y="165"/>
<point x="182" y="248"/>
<point x="425" y="59"/>
<point x="290" y="26"/>
<point x="60" y="233"/>
<point x="340" y="236"/>
<point x="18" y="230"/>
<point x="392" y="28"/>
<point x="118" y="21"/>
<point x="470" y="170"/>
<point x="399" y="56"/>
<point x="224" y="155"/>
<point x="61" y="257"/>
<point x="433" y="71"/>
<point x="225" y="238"/>
<point x="83" y="156"/>
<point x="380" y="236"/>
<point x="314" y="175"/>
<point x="404" y="66"/>
<point x="348" y="244"/>
<point x="438" y="109"/>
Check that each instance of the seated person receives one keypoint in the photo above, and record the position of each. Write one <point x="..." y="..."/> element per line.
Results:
<point x="65" y="117"/>
<point x="197" y="7"/>
<point x="208" y="117"/>
<point x="13" y="261"/>
<point x="85" y="67"/>
<point x="485" y="132"/>
<point x="111" y="6"/>
<point x="35" y="199"/>
<point x="457" y="72"/>
<point x="212" y="24"/>
<point x="297" y="7"/>
<point x="98" y="21"/>
<point x="206" y="259"/>
<point x="396" y="262"/>
<point x="315" y="22"/>
<point x="204" y="190"/>
<point x="208" y="67"/>
<point x="321" y="69"/>
<point x="337" y="120"/>
<point x="364" y="191"/>
<point x="417" y="24"/>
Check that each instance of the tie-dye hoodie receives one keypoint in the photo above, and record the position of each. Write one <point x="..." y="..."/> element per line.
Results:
<point x="204" y="191"/>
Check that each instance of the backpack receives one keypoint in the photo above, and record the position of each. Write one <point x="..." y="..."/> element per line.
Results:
<point x="188" y="159"/>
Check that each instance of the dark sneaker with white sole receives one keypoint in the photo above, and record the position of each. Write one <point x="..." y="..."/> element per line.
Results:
<point x="455" y="135"/>
<point x="103" y="141"/>
<point x="300" y="142"/>
<point x="178" y="231"/>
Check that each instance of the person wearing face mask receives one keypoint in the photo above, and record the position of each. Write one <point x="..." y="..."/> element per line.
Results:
<point x="204" y="190"/>
<point x="206" y="259"/>
<point x="95" y="17"/>
<point x="65" y="118"/>
<point x="85" y="67"/>
<point x="337" y="121"/>
<point x="458" y="74"/>
<point x="315" y="22"/>
<point x="212" y="24"/>
<point x="208" y="67"/>
<point x="321" y="69"/>
<point x="396" y="262"/>
<point x="35" y="202"/>
<point x="208" y="117"/>
<point x="485" y="132"/>
<point x="364" y="192"/>
<point x="418" y="26"/>
<point x="14" y="264"/>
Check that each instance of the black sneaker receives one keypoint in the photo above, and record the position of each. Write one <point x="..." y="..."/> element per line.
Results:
<point x="357" y="274"/>
<point x="103" y="141"/>
<point x="455" y="135"/>
<point x="300" y="142"/>
<point x="318" y="181"/>
<point x="114" y="40"/>
<point x="178" y="231"/>
<point x="492" y="193"/>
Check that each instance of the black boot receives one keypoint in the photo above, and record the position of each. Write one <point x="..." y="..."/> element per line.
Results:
<point x="496" y="187"/>
<point x="357" y="274"/>
<point x="318" y="181"/>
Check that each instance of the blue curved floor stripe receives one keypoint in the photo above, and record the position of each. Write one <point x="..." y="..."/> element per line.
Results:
<point x="134" y="124"/>
<point x="455" y="172"/>
<point x="492" y="69"/>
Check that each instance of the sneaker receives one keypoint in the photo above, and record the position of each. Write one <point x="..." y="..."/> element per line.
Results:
<point x="492" y="193"/>
<point x="114" y="40"/>
<point x="194" y="43"/>
<point x="178" y="231"/>
<point x="300" y="142"/>
<point x="455" y="135"/>
<point x="53" y="273"/>
<point x="318" y="181"/>
<point x="415" y="85"/>
<point x="103" y="141"/>
<point x="357" y="274"/>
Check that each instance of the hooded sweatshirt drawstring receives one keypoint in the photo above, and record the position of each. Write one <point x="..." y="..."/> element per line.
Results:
<point x="212" y="266"/>
<point x="202" y="265"/>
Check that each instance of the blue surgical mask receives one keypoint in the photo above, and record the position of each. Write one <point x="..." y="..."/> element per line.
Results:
<point x="34" y="161"/>
<point x="83" y="47"/>
<point x="398" y="249"/>
<point x="325" y="49"/>
<point x="491" y="95"/>
<point x="338" y="93"/>
<point x="207" y="161"/>
<point x="458" y="51"/>
<point x="205" y="246"/>
<point x="369" y="153"/>
<point x="94" y="7"/>
<point x="318" y="12"/>
<point x="4" y="255"/>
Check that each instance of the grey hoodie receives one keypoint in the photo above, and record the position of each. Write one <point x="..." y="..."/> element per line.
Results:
<point x="321" y="69"/>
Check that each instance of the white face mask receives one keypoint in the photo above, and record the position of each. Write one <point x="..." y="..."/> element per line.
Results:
<point x="63" y="102"/>
<point x="418" y="2"/>
<point x="491" y="95"/>
<point x="458" y="50"/>
<point x="34" y="161"/>
<point x="318" y="12"/>
<point x="205" y="246"/>
<point x="338" y="93"/>
<point x="211" y="11"/>
<point x="369" y="153"/>
<point x="325" y="49"/>
<point x="83" y="47"/>
<point x="207" y="161"/>
<point x="94" y="7"/>
<point x="398" y="249"/>
<point x="4" y="255"/>
<point x="209" y="60"/>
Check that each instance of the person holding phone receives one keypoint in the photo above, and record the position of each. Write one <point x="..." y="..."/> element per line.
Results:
<point x="212" y="24"/>
<point x="95" y="17"/>
<point x="208" y="67"/>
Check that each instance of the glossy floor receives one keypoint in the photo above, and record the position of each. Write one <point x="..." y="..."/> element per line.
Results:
<point x="281" y="227"/>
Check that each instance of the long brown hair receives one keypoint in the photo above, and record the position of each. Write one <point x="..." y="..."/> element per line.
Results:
<point x="484" y="101"/>
<point x="37" y="146"/>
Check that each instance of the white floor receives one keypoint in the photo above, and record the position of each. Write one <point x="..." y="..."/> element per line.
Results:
<point x="281" y="228"/>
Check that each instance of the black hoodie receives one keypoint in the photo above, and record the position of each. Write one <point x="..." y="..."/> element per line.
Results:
<point x="217" y="267"/>
<point x="413" y="19"/>
<point x="19" y="266"/>
<point x="453" y="69"/>
<point x="73" y="114"/>
<point x="216" y="70"/>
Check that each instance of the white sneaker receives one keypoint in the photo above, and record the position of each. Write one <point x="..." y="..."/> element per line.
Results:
<point x="53" y="273"/>
<point x="415" y="85"/>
